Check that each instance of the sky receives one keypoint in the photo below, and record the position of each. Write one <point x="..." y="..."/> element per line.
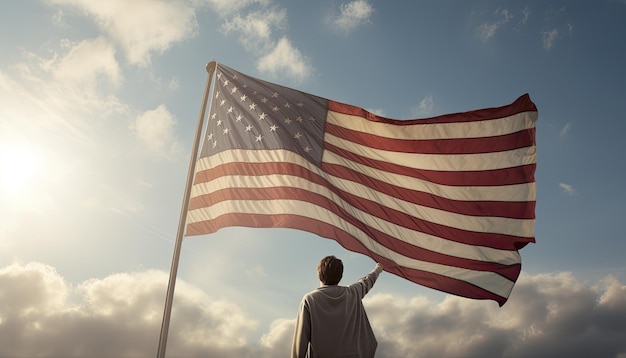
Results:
<point x="99" y="101"/>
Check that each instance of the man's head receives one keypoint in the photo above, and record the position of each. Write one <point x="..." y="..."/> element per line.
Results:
<point x="330" y="270"/>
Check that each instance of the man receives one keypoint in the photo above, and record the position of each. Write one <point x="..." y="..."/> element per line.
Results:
<point x="332" y="321"/>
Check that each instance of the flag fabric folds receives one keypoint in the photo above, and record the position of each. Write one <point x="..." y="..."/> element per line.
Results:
<point x="445" y="202"/>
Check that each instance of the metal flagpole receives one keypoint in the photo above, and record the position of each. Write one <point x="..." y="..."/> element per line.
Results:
<point x="210" y="67"/>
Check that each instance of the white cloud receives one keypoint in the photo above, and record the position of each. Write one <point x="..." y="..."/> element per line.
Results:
<point x="155" y="129"/>
<point x="226" y="7"/>
<point x="525" y="15"/>
<point x="487" y="30"/>
<point x="566" y="129"/>
<point x="256" y="28"/>
<point x="567" y="189"/>
<point x="549" y="38"/>
<point x="140" y="27"/>
<point x="352" y="15"/>
<point x="424" y="107"/>
<point x="285" y="58"/>
<point x="120" y="315"/>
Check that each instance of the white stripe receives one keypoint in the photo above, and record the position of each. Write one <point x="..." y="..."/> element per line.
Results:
<point x="477" y="129"/>
<point x="443" y="162"/>
<point x="519" y="192"/>
<point x="413" y="237"/>
<point x="486" y="280"/>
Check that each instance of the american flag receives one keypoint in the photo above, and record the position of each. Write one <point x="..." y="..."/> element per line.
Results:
<point x="445" y="202"/>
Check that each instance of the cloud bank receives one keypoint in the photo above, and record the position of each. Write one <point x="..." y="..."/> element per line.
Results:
<point x="548" y="315"/>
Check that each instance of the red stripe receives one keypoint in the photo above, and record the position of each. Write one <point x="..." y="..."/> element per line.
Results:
<point x="428" y="279"/>
<point x="520" y="139"/>
<point x="522" y="104"/>
<point x="506" y="176"/>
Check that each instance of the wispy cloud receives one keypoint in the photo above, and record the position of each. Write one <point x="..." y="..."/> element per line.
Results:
<point x="424" y="107"/>
<point x="352" y="15"/>
<point x="567" y="189"/>
<point x="549" y="38"/>
<point x="566" y="129"/>
<point x="525" y="15"/>
<point x="487" y="30"/>
<point x="140" y="27"/>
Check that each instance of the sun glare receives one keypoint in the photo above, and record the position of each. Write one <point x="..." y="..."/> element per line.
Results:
<point x="19" y="167"/>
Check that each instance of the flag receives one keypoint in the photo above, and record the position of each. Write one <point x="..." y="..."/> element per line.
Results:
<point x="445" y="202"/>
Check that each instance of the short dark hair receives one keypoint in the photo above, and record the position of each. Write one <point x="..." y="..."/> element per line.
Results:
<point x="330" y="270"/>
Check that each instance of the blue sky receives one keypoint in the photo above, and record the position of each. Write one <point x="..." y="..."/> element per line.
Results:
<point x="98" y="107"/>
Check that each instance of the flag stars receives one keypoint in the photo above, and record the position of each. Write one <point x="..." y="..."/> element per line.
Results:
<point x="230" y="109"/>
<point x="307" y="149"/>
<point x="239" y="118"/>
<point x="214" y="144"/>
<point x="234" y="90"/>
<point x="287" y="120"/>
<point x="275" y="109"/>
<point x="312" y="119"/>
<point x="225" y="83"/>
<point x="299" y="119"/>
<point x="243" y="98"/>
<point x="217" y="94"/>
<point x="213" y="115"/>
<point x="252" y="106"/>
<point x="287" y="105"/>
<point x="219" y="122"/>
<point x="249" y="128"/>
<point x="273" y="128"/>
<point x="264" y="100"/>
<point x="209" y="136"/>
<point x="300" y="104"/>
<point x="226" y="131"/>
<point x="262" y="116"/>
<point x="275" y="95"/>
<point x="258" y="138"/>
<point x="222" y="102"/>
<point x="297" y="135"/>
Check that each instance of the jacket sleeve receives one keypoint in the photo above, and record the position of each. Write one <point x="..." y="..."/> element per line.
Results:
<point x="365" y="284"/>
<point x="302" y="333"/>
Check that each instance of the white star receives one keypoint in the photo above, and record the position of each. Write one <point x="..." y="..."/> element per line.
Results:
<point x="248" y="128"/>
<point x="230" y="109"/>
<point x="243" y="98"/>
<point x="213" y="115"/>
<point x="210" y="136"/>
<point x="297" y="135"/>
<point x="275" y="94"/>
<point x="273" y="128"/>
<point x="262" y="116"/>
<point x="287" y="120"/>
<point x="307" y="149"/>
<point x="225" y="83"/>
<point x="264" y="100"/>
<point x="275" y="109"/>
<point x="287" y="105"/>
<point x="233" y="90"/>
<point x="258" y="138"/>
<point x="219" y="75"/>
<point x="300" y="104"/>
<point x="239" y="117"/>
<point x="252" y="106"/>
<point x="299" y="119"/>
<point x="312" y="119"/>
<point x="222" y="102"/>
<point x="219" y="122"/>
<point x="217" y="94"/>
<point x="226" y="130"/>
<point x="214" y="144"/>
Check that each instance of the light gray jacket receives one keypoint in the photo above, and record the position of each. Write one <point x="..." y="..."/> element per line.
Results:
<point x="333" y="321"/>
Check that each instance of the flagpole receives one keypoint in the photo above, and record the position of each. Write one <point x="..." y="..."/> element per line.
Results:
<point x="210" y="67"/>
